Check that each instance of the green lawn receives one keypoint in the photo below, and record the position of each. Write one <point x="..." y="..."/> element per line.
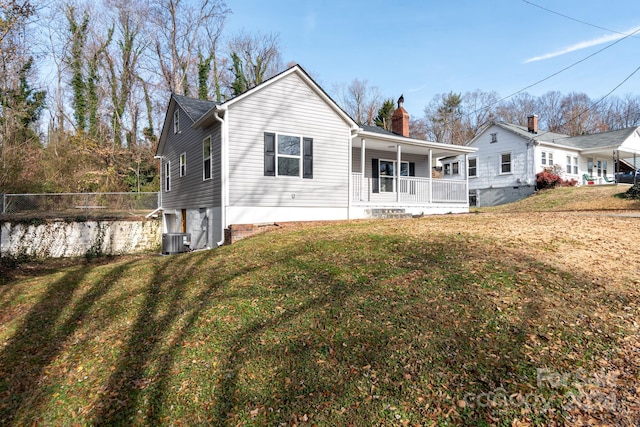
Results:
<point x="362" y="323"/>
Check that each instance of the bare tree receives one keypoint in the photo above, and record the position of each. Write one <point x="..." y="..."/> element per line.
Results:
<point x="256" y="58"/>
<point x="179" y="28"/>
<point x="122" y="68"/>
<point x="550" y="111"/>
<point x="516" y="109"/>
<point x="621" y="113"/>
<point x="478" y="108"/>
<point x="359" y="100"/>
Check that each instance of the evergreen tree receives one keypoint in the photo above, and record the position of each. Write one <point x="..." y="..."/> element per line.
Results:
<point x="385" y="112"/>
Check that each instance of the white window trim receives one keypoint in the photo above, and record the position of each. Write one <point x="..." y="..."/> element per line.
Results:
<point x="183" y="164"/>
<point x="576" y="169"/>
<point x="204" y="159"/>
<point x="543" y="158"/>
<point x="289" y="156"/>
<point x="176" y="121"/>
<point x="457" y="163"/>
<point x="510" y="163"/>
<point x="550" y="159"/>
<point x="167" y="176"/>
<point x="395" y="184"/>
<point x="469" y="167"/>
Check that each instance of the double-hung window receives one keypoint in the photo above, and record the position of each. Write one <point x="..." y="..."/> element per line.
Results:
<point x="288" y="155"/>
<point x="568" y="164"/>
<point x="167" y="176"/>
<point x="543" y="158"/>
<point x="550" y="159"/>
<point x="176" y="121"/>
<point x="446" y="169"/>
<point x="206" y="158"/>
<point x="455" y="168"/>
<point x="505" y="163"/>
<point x="575" y="165"/>
<point x="183" y="164"/>
<point x="387" y="175"/>
<point x="473" y="166"/>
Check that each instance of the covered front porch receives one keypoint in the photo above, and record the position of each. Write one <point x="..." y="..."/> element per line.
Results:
<point x="389" y="171"/>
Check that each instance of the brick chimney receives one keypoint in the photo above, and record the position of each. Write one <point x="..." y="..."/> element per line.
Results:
<point x="400" y="119"/>
<point x="532" y="124"/>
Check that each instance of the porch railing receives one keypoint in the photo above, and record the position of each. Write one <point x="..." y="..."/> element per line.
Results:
<point x="413" y="190"/>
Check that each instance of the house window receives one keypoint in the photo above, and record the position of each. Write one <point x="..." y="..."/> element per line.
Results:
<point x="505" y="163"/>
<point x="575" y="165"/>
<point x="167" y="176"/>
<point x="494" y="137"/>
<point x="455" y="168"/>
<point x="288" y="155"/>
<point x="568" y="164"/>
<point x="590" y="166"/>
<point x="550" y="159"/>
<point x="543" y="157"/>
<point x="446" y="169"/>
<point x="599" y="164"/>
<point x="604" y="168"/>
<point x="473" y="166"/>
<point x="387" y="174"/>
<point x="206" y="158"/>
<point x="176" y="121"/>
<point x="183" y="164"/>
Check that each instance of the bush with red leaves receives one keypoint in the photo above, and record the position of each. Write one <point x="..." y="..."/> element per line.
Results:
<point x="549" y="179"/>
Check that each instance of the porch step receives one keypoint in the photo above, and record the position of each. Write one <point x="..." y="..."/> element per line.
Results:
<point x="388" y="213"/>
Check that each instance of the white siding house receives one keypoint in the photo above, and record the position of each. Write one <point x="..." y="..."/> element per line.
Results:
<point x="509" y="156"/>
<point x="284" y="151"/>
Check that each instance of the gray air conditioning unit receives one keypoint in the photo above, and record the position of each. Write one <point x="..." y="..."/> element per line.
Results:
<point x="175" y="243"/>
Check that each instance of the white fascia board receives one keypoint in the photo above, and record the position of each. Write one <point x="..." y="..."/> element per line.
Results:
<point x="460" y="149"/>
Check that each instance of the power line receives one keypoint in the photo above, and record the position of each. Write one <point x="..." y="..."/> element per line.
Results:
<point x="556" y="73"/>
<point x="573" y="19"/>
<point x="592" y="106"/>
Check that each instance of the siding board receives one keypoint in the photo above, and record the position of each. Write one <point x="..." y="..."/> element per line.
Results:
<point x="290" y="107"/>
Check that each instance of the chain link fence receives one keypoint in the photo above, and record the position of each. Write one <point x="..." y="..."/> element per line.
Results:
<point x="76" y="205"/>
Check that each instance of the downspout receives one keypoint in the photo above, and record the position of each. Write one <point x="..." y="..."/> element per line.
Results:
<point x="159" y="208"/>
<point x="223" y="172"/>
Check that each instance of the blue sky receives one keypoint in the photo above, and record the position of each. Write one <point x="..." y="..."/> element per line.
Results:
<point x="422" y="48"/>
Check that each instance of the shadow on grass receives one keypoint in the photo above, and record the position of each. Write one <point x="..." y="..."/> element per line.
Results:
<point x="364" y="330"/>
<point x="41" y="337"/>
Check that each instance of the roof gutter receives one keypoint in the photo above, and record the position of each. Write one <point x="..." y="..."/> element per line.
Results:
<point x="223" y="170"/>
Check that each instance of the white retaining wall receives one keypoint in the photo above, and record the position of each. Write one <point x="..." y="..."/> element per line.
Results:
<point x="55" y="239"/>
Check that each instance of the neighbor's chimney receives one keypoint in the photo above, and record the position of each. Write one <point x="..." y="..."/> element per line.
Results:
<point x="400" y="119"/>
<point x="532" y="124"/>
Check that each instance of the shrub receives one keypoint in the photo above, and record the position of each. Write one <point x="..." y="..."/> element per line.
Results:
<point x="633" y="192"/>
<point x="549" y="178"/>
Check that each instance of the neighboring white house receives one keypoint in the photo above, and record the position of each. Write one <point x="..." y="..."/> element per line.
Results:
<point x="284" y="151"/>
<point x="509" y="156"/>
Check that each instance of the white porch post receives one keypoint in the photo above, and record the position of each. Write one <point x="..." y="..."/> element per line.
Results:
<point x="466" y="168"/>
<point x="398" y="167"/>
<point x="430" y="171"/>
<point x="362" y="179"/>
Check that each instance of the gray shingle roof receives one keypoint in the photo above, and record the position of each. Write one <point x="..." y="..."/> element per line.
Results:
<point x="377" y="129"/>
<point x="601" y="139"/>
<point x="540" y="136"/>
<point x="583" y="142"/>
<point x="194" y="107"/>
